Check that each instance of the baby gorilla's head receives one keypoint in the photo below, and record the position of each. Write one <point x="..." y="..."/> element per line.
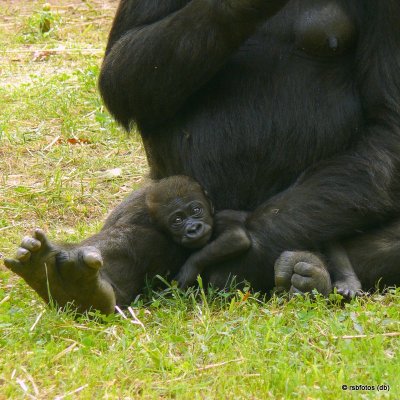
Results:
<point x="180" y="206"/>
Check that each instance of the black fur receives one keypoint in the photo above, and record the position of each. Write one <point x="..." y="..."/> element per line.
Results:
<point x="224" y="94"/>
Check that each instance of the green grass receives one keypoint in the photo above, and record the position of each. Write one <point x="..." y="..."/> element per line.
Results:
<point x="57" y="146"/>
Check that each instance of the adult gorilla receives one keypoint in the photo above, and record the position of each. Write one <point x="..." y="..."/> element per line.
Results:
<point x="292" y="107"/>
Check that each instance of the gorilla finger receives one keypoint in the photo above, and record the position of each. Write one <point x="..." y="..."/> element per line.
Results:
<point x="183" y="285"/>
<point x="282" y="282"/>
<point x="354" y="293"/>
<point x="13" y="265"/>
<point x="183" y="280"/>
<point x="41" y="236"/>
<point x="283" y="271"/>
<point x="305" y="269"/>
<point x="190" y="280"/>
<point x="92" y="258"/>
<point x="23" y="254"/>
<point x="295" y="291"/>
<point x="294" y="257"/>
<point x="343" y="292"/>
<point x="30" y="243"/>
<point x="302" y="283"/>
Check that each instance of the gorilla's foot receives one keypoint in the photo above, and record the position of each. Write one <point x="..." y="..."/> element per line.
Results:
<point x="349" y="287"/>
<point x="302" y="272"/>
<point x="63" y="274"/>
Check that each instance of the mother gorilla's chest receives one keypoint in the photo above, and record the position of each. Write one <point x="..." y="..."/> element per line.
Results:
<point x="284" y="101"/>
<point x="319" y="28"/>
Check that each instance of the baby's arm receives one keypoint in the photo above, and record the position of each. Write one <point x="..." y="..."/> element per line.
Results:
<point x="231" y="241"/>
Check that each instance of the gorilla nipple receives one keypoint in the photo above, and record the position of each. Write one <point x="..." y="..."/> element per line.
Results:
<point x="324" y="30"/>
<point x="333" y="43"/>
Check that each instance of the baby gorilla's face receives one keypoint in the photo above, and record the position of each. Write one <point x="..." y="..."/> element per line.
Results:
<point x="189" y="221"/>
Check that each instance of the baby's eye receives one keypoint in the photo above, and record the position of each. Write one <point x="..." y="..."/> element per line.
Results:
<point x="197" y="210"/>
<point x="178" y="220"/>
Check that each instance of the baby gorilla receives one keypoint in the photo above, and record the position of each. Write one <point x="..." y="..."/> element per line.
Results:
<point x="152" y="232"/>
<point x="180" y="207"/>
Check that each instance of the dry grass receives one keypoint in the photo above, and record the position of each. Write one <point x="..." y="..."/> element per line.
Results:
<point x="56" y="140"/>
